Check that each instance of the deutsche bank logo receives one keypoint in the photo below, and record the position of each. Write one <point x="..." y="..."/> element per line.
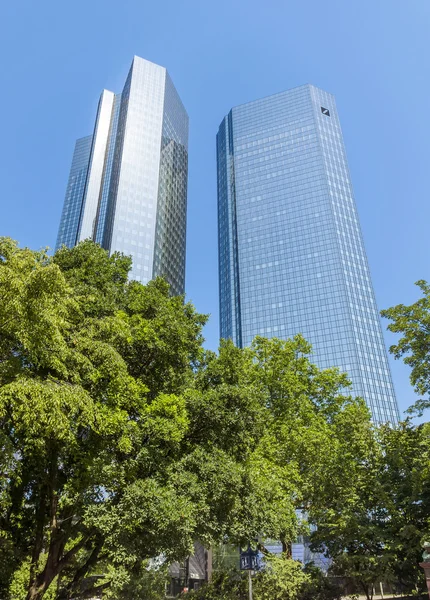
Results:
<point x="325" y="111"/>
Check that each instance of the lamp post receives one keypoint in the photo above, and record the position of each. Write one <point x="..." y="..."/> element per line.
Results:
<point x="425" y="565"/>
<point x="250" y="584"/>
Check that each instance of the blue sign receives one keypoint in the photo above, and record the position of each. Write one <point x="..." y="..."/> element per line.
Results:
<point x="249" y="559"/>
<point x="248" y="562"/>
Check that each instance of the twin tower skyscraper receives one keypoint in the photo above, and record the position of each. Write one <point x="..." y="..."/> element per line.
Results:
<point x="291" y="254"/>
<point x="127" y="188"/>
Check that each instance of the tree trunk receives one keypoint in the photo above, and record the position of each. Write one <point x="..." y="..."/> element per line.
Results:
<point x="34" y="593"/>
<point x="40" y="524"/>
<point x="287" y="548"/>
<point x="54" y="565"/>
<point x="40" y="585"/>
<point x="368" y="594"/>
<point x="83" y="570"/>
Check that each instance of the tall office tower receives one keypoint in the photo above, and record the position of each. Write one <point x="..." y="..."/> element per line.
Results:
<point x="127" y="188"/>
<point x="291" y="254"/>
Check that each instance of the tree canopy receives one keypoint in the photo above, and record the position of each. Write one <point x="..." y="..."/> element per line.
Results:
<point x="123" y="440"/>
<point x="374" y="526"/>
<point x="374" y="534"/>
<point x="93" y="371"/>
<point x="413" y="322"/>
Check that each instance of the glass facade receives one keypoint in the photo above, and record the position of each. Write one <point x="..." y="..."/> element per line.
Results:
<point x="170" y="236"/>
<point x="135" y="192"/>
<point x="291" y="253"/>
<point x="90" y="201"/>
<point x="102" y="206"/>
<point x="69" y="224"/>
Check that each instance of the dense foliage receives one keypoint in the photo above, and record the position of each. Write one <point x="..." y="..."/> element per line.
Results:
<point x="413" y="322"/>
<point x="281" y="579"/>
<point x="92" y="375"/>
<point x="123" y="440"/>
<point x="375" y="533"/>
<point x="374" y="527"/>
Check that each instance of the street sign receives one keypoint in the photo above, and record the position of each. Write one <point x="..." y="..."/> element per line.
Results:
<point x="249" y="559"/>
<point x="248" y="562"/>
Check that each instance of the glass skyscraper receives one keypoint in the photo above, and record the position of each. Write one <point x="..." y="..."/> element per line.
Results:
<point x="127" y="188"/>
<point x="291" y="254"/>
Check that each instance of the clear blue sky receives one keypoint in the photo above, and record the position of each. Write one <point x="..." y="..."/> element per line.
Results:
<point x="372" y="54"/>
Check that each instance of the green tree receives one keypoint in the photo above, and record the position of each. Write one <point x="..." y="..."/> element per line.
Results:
<point x="281" y="579"/>
<point x="93" y="372"/>
<point x="348" y="511"/>
<point x="413" y="322"/>
<point x="147" y="581"/>
<point x="373" y="530"/>
<point x="122" y="440"/>
<point x="373" y="526"/>
<point x="309" y="417"/>
<point x="405" y="479"/>
<point x="275" y="406"/>
<point x="311" y="440"/>
<point x="226" y="584"/>
<point x="320" y="586"/>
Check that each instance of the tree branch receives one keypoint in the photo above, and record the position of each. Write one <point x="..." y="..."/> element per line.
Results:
<point x="92" y="592"/>
<point x="83" y="570"/>
<point x="38" y="542"/>
<point x="71" y="553"/>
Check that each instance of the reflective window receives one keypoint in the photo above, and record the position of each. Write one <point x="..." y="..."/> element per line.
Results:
<point x="291" y="254"/>
<point x="132" y="197"/>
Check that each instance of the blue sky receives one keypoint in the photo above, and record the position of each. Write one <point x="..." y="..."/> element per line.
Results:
<point x="372" y="54"/>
